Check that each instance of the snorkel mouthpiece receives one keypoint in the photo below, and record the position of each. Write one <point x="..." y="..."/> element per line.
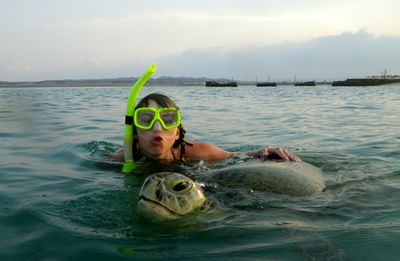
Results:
<point x="129" y="164"/>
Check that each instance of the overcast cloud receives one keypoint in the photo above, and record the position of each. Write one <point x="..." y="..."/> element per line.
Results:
<point x="331" y="57"/>
<point x="59" y="39"/>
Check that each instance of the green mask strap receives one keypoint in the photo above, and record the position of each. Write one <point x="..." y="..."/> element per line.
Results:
<point x="129" y="164"/>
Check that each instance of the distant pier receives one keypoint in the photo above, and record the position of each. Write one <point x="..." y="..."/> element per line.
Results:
<point x="218" y="84"/>
<point x="365" y="82"/>
<point x="266" y="84"/>
<point x="309" y="83"/>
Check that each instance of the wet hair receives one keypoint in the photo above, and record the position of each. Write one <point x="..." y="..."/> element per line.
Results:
<point x="165" y="102"/>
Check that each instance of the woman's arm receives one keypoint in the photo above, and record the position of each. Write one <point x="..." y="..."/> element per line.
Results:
<point x="206" y="151"/>
<point x="211" y="152"/>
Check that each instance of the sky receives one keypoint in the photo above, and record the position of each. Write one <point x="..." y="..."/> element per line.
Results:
<point x="242" y="40"/>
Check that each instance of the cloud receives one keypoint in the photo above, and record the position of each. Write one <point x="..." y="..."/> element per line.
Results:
<point x="349" y="54"/>
<point x="331" y="57"/>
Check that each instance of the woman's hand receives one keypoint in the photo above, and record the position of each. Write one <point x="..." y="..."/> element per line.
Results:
<point x="118" y="156"/>
<point x="278" y="153"/>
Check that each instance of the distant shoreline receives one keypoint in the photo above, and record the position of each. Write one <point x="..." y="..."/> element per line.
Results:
<point x="182" y="81"/>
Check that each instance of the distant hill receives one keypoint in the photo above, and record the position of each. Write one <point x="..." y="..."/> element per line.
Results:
<point x="123" y="81"/>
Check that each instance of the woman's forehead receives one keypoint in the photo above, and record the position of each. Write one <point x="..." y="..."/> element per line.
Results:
<point x="153" y="104"/>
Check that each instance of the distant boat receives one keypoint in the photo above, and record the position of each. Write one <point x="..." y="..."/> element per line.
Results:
<point x="310" y="83"/>
<point x="217" y="84"/>
<point x="266" y="84"/>
<point x="365" y="82"/>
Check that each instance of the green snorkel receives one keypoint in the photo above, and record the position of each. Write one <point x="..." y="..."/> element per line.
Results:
<point x="129" y="164"/>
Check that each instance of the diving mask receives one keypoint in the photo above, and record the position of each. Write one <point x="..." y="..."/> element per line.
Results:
<point x="144" y="118"/>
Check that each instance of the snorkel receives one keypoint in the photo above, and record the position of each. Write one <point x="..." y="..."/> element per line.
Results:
<point x="129" y="164"/>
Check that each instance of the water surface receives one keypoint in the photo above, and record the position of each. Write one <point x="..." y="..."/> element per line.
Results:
<point x="61" y="200"/>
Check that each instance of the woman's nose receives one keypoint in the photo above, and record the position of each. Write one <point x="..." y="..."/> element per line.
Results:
<point x="157" y="126"/>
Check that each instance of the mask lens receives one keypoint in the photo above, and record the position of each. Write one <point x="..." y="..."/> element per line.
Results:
<point x="144" y="118"/>
<point x="170" y="118"/>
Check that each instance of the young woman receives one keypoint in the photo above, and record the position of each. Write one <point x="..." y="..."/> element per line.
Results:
<point x="158" y="134"/>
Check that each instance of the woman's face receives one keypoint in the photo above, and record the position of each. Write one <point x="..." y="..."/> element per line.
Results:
<point x="156" y="142"/>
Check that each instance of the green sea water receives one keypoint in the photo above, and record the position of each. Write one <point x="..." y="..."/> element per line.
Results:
<point x="61" y="199"/>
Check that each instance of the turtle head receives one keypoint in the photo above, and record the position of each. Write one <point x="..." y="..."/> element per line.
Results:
<point x="169" y="195"/>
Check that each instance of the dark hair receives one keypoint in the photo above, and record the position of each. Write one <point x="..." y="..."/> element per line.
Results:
<point x="166" y="102"/>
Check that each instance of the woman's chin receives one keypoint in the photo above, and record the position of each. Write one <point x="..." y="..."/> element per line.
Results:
<point x="156" y="154"/>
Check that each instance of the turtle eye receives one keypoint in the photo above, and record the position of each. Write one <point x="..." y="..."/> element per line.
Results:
<point x="181" y="186"/>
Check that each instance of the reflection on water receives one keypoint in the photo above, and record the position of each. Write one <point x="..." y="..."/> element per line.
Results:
<point x="61" y="198"/>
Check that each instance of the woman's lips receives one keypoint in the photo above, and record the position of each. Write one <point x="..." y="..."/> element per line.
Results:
<point x="157" y="141"/>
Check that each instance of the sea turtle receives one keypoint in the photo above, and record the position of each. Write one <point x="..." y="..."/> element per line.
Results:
<point x="282" y="177"/>
<point x="169" y="195"/>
